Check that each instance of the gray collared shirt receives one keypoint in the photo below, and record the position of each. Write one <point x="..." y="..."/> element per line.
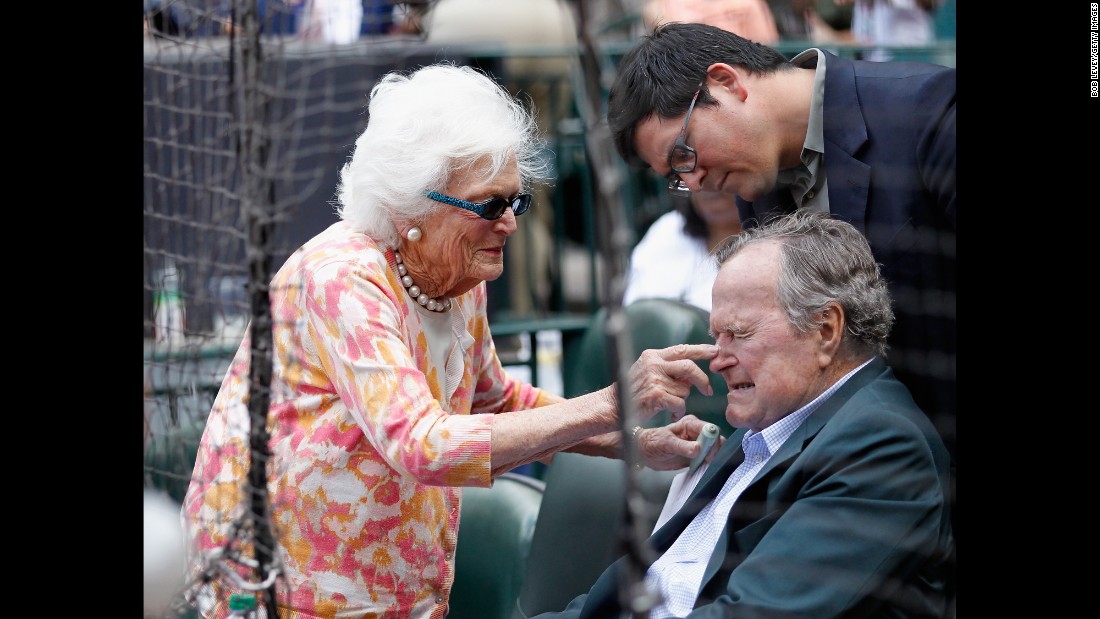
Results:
<point x="807" y="182"/>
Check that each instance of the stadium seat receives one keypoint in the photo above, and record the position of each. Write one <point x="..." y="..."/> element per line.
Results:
<point x="580" y="527"/>
<point x="494" y="539"/>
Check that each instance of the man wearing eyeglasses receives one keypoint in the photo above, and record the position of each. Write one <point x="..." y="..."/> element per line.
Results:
<point x="871" y="143"/>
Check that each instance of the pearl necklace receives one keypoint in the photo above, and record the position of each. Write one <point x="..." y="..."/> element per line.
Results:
<point x="435" y="305"/>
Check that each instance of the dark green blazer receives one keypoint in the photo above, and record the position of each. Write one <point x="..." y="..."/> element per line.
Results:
<point x="850" y="518"/>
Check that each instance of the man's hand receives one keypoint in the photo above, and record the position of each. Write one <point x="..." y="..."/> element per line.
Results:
<point x="671" y="447"/>
<point x="661" y="379"/>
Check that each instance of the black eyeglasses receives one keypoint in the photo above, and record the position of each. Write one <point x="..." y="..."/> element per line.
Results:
<point x="682" y="157"/>
<point x="489" y="209"/>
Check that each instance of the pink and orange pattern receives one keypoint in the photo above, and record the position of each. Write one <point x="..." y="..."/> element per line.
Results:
<point x="371" y="442"/>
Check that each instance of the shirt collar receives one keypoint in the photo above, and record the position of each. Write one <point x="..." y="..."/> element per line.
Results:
<point x="803" y="177"/>
<point x="814" y="58"/>
<point x="777" y="433"/>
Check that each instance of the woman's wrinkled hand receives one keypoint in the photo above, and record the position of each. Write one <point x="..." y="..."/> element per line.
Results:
<point x="661" y="379"/>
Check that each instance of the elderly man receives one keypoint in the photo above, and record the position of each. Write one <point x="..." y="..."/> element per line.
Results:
<point x="832" y="499"/>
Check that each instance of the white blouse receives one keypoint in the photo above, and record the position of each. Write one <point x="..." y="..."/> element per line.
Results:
<point x="669" y="264"/>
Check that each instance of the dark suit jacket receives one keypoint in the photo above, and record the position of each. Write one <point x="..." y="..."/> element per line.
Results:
<point x="849" y="518"/>
<point x="889" y="160"/>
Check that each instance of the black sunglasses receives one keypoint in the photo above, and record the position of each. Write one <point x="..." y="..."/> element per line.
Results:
<point x="489" y="209"/>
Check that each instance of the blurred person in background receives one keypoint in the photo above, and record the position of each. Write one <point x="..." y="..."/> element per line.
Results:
<point x="892" y="23"/>
<point x="790" y="20"/>
<point x="408" y="17"/>
<point x="387" y="395"/>
<point x="165" y="562"/>
<point x="331" y="21"/>
<point x="751" y="19"/>
<point x="828" y="21"/>
<point x="673" y="260"/>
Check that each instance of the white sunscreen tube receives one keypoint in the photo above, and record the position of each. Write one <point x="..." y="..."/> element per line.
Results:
<point x="706" y="441"/>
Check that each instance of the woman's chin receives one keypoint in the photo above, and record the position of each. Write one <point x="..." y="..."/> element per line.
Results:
<point x="489" y="272"/>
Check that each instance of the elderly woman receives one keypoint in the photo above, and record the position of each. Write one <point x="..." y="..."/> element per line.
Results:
<point x="387" y="393"/>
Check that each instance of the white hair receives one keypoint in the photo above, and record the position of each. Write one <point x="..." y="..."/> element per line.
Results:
<point x="423" y="127"/>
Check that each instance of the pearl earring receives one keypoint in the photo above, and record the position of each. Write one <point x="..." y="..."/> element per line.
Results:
<point x="414" y="234"/>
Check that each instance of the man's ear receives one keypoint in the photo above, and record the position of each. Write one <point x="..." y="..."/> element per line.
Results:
<point x="727" y="77"/>
<point x="830" y="333"/>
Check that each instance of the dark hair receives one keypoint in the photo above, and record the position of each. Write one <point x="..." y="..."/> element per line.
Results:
<point x="694" y="224"/>
<point x="660" y="73"/>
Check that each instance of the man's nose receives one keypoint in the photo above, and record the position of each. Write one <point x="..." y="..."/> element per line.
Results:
<point x="721" y="361"/>
<point x="693" y="179"/>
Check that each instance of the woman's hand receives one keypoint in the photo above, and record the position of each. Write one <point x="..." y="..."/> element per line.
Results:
<point x="661" y="379"/>
<point x="671" y="447"/>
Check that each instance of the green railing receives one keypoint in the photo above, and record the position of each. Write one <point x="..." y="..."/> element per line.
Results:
<point x="575" y="257"/>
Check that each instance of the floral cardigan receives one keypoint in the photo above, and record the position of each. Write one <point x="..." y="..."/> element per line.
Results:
<point x="371" y="441"/>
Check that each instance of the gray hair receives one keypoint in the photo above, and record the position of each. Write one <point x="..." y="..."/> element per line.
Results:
<point x="823" y="260"/>
<point x="422" y="128"/>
